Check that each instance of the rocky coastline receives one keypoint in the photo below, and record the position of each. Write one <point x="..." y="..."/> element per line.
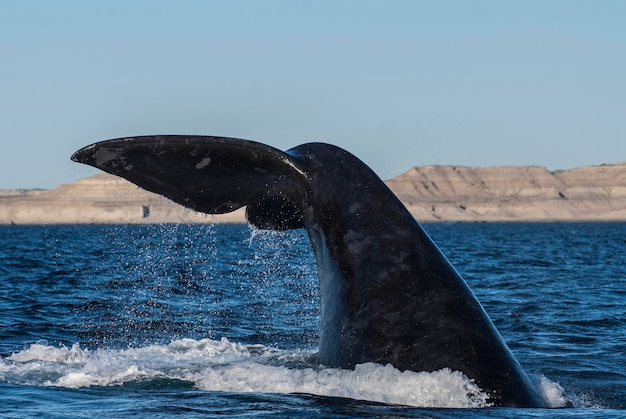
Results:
<point x="431" y="193"/>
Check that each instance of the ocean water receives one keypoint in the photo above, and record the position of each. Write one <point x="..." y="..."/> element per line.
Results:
<point x="203" y="321"/>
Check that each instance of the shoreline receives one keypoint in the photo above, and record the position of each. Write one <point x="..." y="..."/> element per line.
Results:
<point x="432" y="194"/>
<point x="170" y="223"/>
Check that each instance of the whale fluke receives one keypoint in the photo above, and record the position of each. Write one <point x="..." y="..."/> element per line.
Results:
<point x="388" y="295"/>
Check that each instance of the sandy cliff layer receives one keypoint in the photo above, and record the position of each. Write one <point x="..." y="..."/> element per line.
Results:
<point x="448" y="193"/>
<point x="431" y="193"/>
<point x="99" y="199"/>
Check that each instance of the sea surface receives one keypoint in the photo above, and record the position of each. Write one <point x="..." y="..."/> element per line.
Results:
<point x="211" y="320"/>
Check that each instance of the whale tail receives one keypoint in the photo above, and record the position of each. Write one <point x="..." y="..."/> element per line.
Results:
<point x="387" y="293"/>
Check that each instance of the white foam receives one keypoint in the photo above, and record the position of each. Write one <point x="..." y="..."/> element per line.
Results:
<point x="222" y="365"/>
<point x="551" y="392"/>
<point x="369" y="381"/>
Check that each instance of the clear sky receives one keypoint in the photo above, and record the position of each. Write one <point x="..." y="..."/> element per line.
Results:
<point x="398" y="83"/>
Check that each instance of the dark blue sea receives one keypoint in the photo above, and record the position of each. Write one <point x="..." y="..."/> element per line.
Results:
<point x="221" y="320"/>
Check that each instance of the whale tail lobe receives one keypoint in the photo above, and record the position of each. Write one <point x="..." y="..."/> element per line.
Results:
<point x="212" y="175"/>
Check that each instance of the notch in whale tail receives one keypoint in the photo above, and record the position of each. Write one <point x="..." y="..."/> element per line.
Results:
<point x="212" y="175"/>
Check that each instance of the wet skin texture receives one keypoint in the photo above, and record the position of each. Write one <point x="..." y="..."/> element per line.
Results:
<point x="388" y="294"/>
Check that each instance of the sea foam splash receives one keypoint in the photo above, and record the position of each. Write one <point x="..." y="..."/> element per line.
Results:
<point x="222" y="365"/>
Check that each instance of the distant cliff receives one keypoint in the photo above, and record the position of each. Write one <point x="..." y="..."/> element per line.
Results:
<point x="99" y="199"/>
<point x="531" y="193"/>
<point x="431" y="193"/>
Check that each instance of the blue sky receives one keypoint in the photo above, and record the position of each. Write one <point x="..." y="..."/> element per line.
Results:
<point x="398" y="83"/>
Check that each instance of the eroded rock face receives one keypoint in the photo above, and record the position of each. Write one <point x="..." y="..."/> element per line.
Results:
<point x="99" y="199"/>
<point x="530" y="193"/>
<point x="431" y="193"/>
